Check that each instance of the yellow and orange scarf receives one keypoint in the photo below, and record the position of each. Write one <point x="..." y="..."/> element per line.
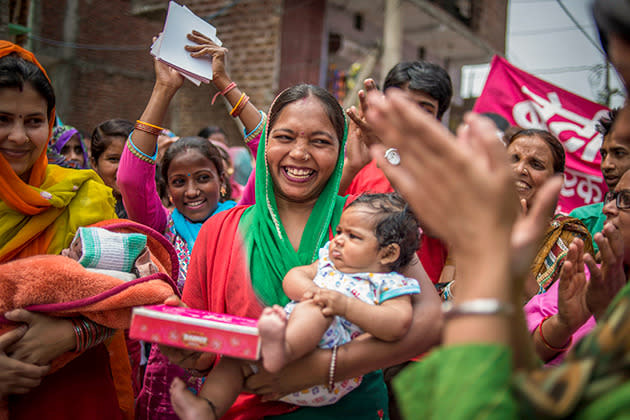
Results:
<point x="41" y="216"/>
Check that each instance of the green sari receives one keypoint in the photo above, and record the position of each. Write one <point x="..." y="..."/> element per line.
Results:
<point x="270" y="256"/>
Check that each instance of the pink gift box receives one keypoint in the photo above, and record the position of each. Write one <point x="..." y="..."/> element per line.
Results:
<point x="197" y="330"/>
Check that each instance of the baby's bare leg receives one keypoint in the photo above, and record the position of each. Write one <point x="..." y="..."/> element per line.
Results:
<point x="282" y="341"/>
<point x="217" y="395"/>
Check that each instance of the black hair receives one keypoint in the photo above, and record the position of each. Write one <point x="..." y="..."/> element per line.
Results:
<point x="612" y="17"/>
<point x="103" y="133"/>
<point x="288" y="96"/>
<point x="16" y="71"/>
<point x="395" y="224"/>
<point x="556" y="148"/>
<point x="425" y="77"/>
<point x="604" y="124"/>
<point x="210" y="130"/>
<point x="207" y="149"/>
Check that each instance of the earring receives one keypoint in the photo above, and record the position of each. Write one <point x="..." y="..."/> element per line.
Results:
<point x="223" y="191"/>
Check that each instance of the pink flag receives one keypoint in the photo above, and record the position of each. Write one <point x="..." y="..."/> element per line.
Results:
<point x="529" y="102"/>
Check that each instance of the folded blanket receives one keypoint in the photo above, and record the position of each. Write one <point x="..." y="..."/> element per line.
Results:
<point x="60" y="286"/>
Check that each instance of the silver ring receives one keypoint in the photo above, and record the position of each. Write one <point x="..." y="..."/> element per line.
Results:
<point x="392" y="156"/>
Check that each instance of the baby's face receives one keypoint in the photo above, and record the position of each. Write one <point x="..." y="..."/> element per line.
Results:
<point x="74" y="251"/>
<point x="355" y="249"/>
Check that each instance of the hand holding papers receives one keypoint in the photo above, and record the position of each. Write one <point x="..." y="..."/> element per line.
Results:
<point x="169" y="47"/>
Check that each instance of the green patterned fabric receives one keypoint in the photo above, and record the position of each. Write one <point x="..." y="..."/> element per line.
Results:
<point x="475" y="381"/>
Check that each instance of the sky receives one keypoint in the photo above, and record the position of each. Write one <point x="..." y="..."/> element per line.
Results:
<point x="542" y="40"/>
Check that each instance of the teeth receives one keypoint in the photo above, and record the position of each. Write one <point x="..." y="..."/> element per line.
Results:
<point x="195" y="203"/>
<point x="299" y="173"/>
<point x="521" y="184"/>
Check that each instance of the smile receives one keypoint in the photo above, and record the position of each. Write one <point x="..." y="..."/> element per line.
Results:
<point x="298" y="174"/>
<point x="195" y="204"/>
<point x="12" y="153"/>
<point x="522" y="185"/>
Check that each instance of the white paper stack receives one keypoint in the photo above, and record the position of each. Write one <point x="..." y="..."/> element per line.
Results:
<point x="169" y="46"/>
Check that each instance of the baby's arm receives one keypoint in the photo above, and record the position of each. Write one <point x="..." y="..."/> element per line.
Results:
<point x="388" y="321"/>
<point x="299" y="280"/>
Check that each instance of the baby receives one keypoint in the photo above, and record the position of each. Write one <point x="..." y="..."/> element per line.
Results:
<point x="121" y="255"/>
<point x="353" y="288"/>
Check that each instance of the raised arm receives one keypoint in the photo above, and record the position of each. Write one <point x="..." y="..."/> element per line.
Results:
<point x="204" y="48"/>
<point x="136" y="172"/>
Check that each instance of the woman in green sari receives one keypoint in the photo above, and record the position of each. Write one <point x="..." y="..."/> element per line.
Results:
<point x="241" y="256"/>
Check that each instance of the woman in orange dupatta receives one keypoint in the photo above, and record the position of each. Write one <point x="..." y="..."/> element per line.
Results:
<point x="41" y="206"/>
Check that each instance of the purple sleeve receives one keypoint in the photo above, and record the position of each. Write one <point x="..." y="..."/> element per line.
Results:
<point x="136" y="180"/>
<point x="249" y="192"/>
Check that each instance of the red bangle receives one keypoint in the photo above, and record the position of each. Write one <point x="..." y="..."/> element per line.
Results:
<point x="549" y="346"/>
<point x="223" y="92"/>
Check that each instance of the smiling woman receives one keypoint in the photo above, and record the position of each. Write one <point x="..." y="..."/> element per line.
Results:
<point x="23" y="128"/>
<point x="536" y="156"/>
<point x="41" y="207"/>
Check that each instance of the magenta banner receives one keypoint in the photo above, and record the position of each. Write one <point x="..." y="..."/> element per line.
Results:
<point x="530" y="102"/>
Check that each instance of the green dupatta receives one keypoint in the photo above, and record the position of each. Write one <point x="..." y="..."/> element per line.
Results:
<point x="269" y="252"/>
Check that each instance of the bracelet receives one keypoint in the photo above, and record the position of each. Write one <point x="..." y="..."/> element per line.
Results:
<point x="148" y="128"/>
<point x="237" y="104"/>
<point x="331" y="370"/>
<point x="199" y="373"/>
<point x="89" y="334"/>
<point x="254" y="133"/>
<point x="139" y="153"/>
<point x="241" y="107"/>
<point x="223" y="92"/>
<point x="477" y="307"/>
<point x="546" y="343"/>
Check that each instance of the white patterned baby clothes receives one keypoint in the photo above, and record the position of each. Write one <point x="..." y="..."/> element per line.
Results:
<point x="371" y="288"/>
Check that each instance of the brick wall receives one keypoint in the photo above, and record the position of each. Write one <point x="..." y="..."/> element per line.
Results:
<point x="250" y="30"/>
<point x="93" y="85"/>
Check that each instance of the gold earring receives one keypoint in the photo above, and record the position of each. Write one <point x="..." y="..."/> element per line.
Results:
<point x="223" y="191"/>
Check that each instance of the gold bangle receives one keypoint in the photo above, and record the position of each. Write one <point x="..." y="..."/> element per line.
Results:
<point x="237" y="104"/>
<point x="148" y="128"/>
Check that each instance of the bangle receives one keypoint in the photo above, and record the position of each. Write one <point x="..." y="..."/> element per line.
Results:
<point x="252" y="134"/>
<point x="89" y="334"/>
<point x="546" y="343"/>
<point x="199" y="373"/>
<point x="139" y="153"/>
<point x="331" y="370"/>
<point x="477" y="307"/>
<point x="148" y="128"/>
<point x="241" y="107"/>
<point x="237" y="104"/>
<point x="223" y="92"/>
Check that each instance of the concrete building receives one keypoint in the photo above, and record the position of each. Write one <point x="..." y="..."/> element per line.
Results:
<point x="97" y="52"/>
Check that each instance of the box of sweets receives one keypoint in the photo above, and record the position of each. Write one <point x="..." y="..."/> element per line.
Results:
<point x="197" y="330"/>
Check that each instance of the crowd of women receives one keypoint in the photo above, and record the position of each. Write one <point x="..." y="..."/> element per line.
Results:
<point x="528" y="286"/>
